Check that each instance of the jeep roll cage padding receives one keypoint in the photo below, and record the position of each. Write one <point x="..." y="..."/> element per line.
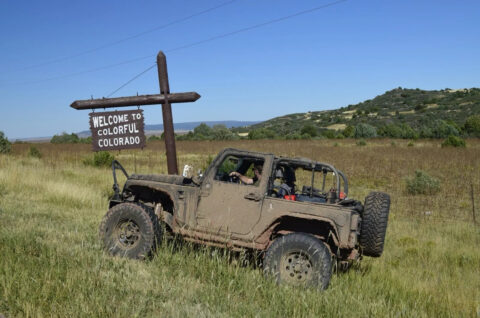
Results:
<point x="314" y="166"/>
<point x="116" y="165"/>
<point x="345" y="182"/>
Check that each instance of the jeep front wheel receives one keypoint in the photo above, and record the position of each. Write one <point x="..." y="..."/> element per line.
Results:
<point x="299" y="259"/>
<point x="130" y="230"/>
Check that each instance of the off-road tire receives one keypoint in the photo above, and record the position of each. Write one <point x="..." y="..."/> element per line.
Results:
<point x="130" y="230"/>
<point x="374" y="223"/>
<point x="299" y="259"/>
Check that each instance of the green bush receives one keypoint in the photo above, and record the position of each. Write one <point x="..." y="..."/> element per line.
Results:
<point x="309" y="129"/>
<point x="5" y="145"/>
<point x="365" y="131"/>
<point x="261" y="133"/>
<point x="65" y="138"/>
<point x="153" y="138"/>
<point x="87" y="140"/>
<point x="294" y="136"/>
<point x="437" y="129"/>
<point x="202" y="129"/>
<point x="100" y="159"/>
<point x="453" y="141"/>
<point x="361" y="142"/>
<point x="221" y="132"/>
<point x="472" y="125"/>
<point x="398" y="131"/>
<point x="349" y="131"/>
<point x="422" y="183"/>
<point x="34" y="152"/>
<point x="330" y="134"/>
<point x="187" y="136"/>
<point x="410" y="144"/>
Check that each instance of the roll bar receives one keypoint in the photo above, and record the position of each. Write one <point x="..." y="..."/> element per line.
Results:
<point x="116" y="165"/>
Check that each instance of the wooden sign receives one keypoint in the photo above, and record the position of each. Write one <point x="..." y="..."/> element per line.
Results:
<point x="165" y="98"/>
<point x="117" y="130"/>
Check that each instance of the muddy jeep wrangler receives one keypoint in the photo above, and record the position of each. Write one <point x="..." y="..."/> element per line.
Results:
<point x="296" y="213"/>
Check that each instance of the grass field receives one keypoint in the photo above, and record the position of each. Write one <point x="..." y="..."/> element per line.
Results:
<point x="52" y="264"/>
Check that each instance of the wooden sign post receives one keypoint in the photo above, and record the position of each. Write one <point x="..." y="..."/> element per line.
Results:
<point x="164" y="98"/>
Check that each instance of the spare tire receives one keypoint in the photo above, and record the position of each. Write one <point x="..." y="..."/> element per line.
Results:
<point x="374" y="223"/>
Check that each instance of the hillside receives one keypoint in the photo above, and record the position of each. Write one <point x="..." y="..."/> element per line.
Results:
<point x="417" y="110"/>
<point x="398" y="113"/>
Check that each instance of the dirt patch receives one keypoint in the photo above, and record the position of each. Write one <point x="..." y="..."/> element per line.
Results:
<point x="337" y="126"/>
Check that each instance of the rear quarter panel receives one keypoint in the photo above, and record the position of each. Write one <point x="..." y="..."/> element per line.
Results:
<point x="340" y="217"/>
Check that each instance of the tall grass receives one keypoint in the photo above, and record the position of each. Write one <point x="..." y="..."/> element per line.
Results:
<point x="51" y="262"/>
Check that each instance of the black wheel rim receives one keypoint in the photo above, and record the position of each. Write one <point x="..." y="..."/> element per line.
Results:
<point x="296" y="268"/>
<point x="127" y="233"/>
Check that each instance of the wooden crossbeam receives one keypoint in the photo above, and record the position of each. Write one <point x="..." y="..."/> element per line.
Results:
<point x="135" y="100"/>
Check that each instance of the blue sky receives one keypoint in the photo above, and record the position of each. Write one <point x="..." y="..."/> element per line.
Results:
<point x="326" y="59"/>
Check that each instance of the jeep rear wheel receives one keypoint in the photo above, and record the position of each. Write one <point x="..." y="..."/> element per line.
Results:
<point x="130" y="230"/>
<point x="299" y="259"/>
<point x="374" y="223"/>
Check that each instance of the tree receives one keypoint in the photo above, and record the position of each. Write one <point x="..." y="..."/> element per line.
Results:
<point x="398" y="131"/>
<point x="391" y="130"/>
<point x="187" y="136"/>
<point x="87" y="140"/>
<point x="310" y="130"/>
<point x="349" y="131"/>
<point x="442" y="129"/>
<point x="203" y="130"/>
<point x="5" y="145"/>
<point x="330" y="134"/>
<point x="65" y="138"/>
<point x="293" y="136"/>
<point x="221" y="132"/>
<point x="365" y="131"/>
<point x="261" y="133"/>
<point x="472" y="125"/>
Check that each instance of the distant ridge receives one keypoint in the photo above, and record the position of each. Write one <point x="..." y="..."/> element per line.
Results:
<point x="188" y="126"/>
<point x="156" y="129"/>
<point x="192" y="125"/>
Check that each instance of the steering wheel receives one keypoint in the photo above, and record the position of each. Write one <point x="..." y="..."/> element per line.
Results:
<point x="233" y="179"/>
